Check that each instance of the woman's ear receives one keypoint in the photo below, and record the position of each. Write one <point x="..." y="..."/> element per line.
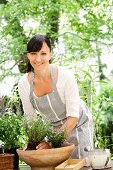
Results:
<point x="28" y="55"/>
<point x="50" y="55"/>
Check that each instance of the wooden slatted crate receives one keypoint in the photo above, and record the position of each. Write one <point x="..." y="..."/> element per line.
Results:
<point x="71" y="164"/>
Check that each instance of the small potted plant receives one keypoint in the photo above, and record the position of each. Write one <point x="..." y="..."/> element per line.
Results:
<point x="36" y="131"/>
<point x="12" y="134"/>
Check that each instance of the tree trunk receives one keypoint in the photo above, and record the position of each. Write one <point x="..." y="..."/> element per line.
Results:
<point x="53" y="23"/>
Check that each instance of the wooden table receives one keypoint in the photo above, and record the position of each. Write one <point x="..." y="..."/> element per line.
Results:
<point x="26" y="167"/>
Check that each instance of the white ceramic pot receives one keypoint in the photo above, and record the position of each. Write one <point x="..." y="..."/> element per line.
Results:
<point x="98" y="158"/>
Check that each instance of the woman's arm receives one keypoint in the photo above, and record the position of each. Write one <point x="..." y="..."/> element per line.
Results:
<point x="24" y="92"/>
<point x="68" y="126"/>
<point x="71" y="97"/>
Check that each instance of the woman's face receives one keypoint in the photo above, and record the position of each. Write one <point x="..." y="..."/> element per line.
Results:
<point x="41" y="58"/>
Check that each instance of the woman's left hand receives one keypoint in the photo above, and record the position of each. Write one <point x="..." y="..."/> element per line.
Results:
<point x="43" y="145"/>
<point x="68" y="126"/>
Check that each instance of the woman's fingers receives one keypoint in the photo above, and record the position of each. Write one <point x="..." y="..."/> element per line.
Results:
<point x="43" y="145"/>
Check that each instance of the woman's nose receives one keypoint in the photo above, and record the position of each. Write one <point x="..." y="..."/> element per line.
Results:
<point x="38" y="58"/>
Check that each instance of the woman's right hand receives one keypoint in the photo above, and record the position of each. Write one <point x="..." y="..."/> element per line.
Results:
<point x="44" y="145"/>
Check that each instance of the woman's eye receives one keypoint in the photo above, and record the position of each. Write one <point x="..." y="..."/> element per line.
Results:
<point x="43" y="53"/>
<point x="33" y="53"/>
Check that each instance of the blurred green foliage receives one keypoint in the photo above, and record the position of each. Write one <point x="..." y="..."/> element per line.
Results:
<point x="11" y="131"/>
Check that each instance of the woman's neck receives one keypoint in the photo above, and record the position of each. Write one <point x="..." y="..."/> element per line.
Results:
<point x="42" y="74"/>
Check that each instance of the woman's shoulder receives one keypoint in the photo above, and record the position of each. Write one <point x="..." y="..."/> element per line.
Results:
<point x="23" y="85"/>
<point x="23" y="78"/>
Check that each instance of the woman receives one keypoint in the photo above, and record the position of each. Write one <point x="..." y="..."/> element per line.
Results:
<point x="53" y="90"/>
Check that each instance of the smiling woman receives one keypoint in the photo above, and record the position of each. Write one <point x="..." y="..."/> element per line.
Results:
<point x="53" y="91"/>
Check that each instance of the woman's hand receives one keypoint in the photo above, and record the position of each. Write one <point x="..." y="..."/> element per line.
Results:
<point x="44" y="145"/>
<point x="68" y="126"/>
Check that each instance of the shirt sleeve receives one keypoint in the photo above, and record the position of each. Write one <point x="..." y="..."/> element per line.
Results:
<point x="24" y="92"/>
<point x="71" y="96"/>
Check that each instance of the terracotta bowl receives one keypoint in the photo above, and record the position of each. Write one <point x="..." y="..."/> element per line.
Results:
<point x="46" y="159"/>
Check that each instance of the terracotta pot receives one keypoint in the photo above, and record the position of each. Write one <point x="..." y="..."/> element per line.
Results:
<point x="46" y="159"/>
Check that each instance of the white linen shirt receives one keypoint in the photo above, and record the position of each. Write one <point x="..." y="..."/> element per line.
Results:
<point x="66" y="87"/>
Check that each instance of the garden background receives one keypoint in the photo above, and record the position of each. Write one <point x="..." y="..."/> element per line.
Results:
<point x="81" y="33"/>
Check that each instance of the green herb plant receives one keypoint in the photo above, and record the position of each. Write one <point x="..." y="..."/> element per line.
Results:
<point x="57" y="138"/>
<point x="36" y="130"/>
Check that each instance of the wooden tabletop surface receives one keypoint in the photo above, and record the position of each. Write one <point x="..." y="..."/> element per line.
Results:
<point x="26" y="167"/>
